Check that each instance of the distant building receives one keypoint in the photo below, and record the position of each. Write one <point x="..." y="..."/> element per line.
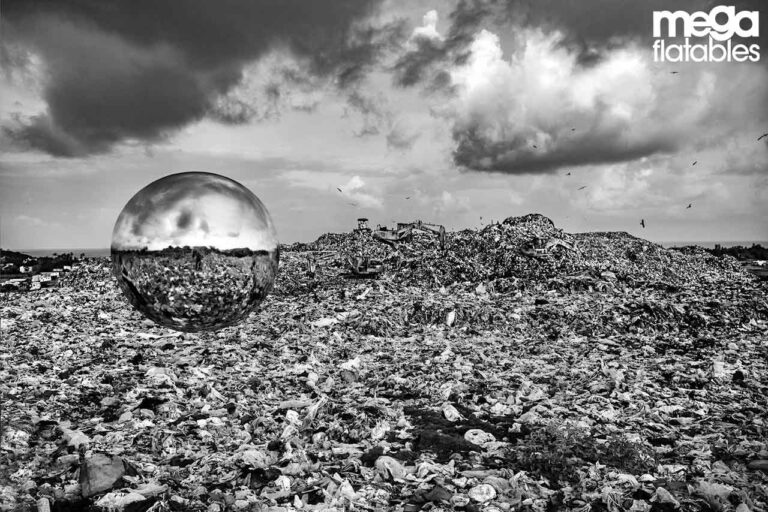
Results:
<point x="67" y="268"/>
<point x="35" y="285"/>
<point x="25" y="269"/>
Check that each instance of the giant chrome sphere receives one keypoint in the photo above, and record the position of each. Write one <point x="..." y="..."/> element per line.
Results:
<point x="195" y="251"/>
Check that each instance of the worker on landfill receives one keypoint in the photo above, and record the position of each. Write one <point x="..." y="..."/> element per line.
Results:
<point x="397" y="258"/>
<point x="198" y="257"/>
<point x="311" y="266"/>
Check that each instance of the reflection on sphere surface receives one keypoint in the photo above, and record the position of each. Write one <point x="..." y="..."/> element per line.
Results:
<point x="195" y="251"/>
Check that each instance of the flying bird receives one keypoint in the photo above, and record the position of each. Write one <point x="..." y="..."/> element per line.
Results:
<point x="694" y="163"/>
<point x="573" y="129"/>
<point x="535" y="147"/>
<point x="689" y="205"/>
<point x="408" y="197"/>
<point x="762" y="137"/>
<point x="337" y="188"/>
<point x="674" y="72"/>
<point x="582" y="188"/>
<point x="568" y="173"/>
<point x="642" y="223"/>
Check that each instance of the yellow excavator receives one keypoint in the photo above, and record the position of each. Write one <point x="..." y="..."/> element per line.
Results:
<point x="362" y="267"/>
<point x="404" y="232"/>
<point x="538" y="247"/>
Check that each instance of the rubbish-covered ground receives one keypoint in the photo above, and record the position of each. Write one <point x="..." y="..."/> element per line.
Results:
<point x="522" y="369"/>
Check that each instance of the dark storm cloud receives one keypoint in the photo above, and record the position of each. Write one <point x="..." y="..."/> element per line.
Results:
<point x="497" y="128"/>
<point x="138" y="69"/>
<point x="517" y="156"/>
<point x="414" y="66"/>
<point x="364" y="49"/>
<point x="39" y="132"/>
<point x="588" y="27"/>
<point x="261" y="99"/>
<point x="184" y="220"/>
<point x="418" y="65"/>
<point x="591" y="24"/>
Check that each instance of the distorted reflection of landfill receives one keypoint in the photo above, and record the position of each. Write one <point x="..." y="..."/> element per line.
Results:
<point x="195" y="288"/>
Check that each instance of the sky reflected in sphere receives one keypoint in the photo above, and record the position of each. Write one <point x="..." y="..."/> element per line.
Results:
<point x="195" y="251"/>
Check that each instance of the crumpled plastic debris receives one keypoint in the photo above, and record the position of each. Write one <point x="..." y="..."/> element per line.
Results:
<point x="522" y="366"/>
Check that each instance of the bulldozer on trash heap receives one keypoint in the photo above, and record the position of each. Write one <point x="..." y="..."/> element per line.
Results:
<point x="361" y="267"/>
<point x="404" y="232"/>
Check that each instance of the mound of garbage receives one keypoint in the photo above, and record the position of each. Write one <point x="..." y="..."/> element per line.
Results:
<point x="519" y="368"/>
<point x="532" y="250"/>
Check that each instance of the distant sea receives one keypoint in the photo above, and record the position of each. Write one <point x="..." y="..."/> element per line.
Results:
<point x="711" y="245"/>
<point x="89" y="253"/>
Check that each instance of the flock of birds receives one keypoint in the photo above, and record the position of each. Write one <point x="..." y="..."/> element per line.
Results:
<point x="351" y="203"/>
<point x="690" y="205"/>
<point x="642" y="221"/>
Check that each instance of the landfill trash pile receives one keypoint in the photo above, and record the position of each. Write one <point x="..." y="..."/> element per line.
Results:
<point x="523" y="368"/>
<point x="505" y="251"/>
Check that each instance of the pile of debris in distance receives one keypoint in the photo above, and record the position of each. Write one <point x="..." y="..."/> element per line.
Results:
<point x="521" y="368"/>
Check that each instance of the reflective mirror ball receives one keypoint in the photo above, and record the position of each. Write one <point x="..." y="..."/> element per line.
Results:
<point x="195" y="251"/>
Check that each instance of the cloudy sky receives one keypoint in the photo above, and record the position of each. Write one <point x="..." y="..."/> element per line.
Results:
<point x="194" y="209"/>
<point x="456" y="112"/>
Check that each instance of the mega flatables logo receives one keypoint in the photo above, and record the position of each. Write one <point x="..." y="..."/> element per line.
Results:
<point x="712" y="32"/>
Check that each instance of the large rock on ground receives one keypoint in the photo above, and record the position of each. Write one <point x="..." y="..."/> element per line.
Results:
<point x="100" y="473"/>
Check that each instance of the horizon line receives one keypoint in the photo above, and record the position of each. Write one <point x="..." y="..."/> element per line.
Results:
<point x="299" y="241"/>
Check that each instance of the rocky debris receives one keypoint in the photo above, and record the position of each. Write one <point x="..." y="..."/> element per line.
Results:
<point x="119" y="500"/>
<point x="389" y="468"/>
<point x="482" y="493"/>
<point x="761" y="465"/>
<point x="665" y="499"/>
<point x="100" y="473"/>
<point x="497" y="375"/>
<point x="43" y="505"/>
